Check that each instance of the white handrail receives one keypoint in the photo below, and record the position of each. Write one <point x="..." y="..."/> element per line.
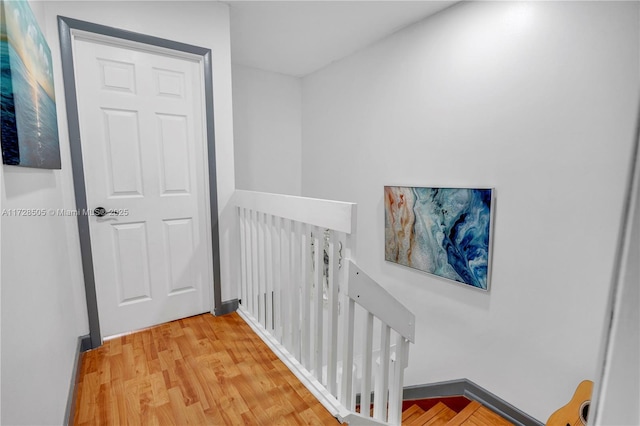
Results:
<point x="375" y="299"/>
<point x="305" y="297"/>
<point x="337" y="215"/>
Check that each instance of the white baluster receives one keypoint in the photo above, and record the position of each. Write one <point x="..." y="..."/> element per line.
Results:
<point x="367" y="359"/>
<point x="285" y="256"/>
<point x="249" y="251"/>
<point x="305" y="329"/>
<point x="382" y="380"/>
<point x="255" y="283"/>
<point x="295" y="290"/>
<point x="318" y="256"/>
<point x="277" y="277"/>
<point x="347" y="397"/>
<point x="395" y="392"/>
<point x="261" y="269"/>
<point x="243" y="258"/>
<point x="332" y="343"/>
<point x="269" y="293"/>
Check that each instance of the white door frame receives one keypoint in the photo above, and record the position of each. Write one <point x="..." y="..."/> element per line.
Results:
<point x="67" y="27"/>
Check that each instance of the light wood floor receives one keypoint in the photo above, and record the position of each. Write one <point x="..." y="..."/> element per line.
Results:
<point x="199" y="370"/>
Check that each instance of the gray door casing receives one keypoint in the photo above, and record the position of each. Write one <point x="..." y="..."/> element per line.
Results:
<point x="65" y="27"/>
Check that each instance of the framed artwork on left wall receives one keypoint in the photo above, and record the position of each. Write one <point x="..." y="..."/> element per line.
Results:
<point x="441" y="231"/>
<point x="28" y="106"/>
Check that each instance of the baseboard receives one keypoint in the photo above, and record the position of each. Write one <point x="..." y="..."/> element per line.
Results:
<point x="83" y="345"/>
<point x="474" y="392"/>
<point x="227" y="307"/>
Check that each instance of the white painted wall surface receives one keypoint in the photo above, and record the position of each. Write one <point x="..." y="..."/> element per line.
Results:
<point x="43" y="301"/>
<point x="267" y="109"/>
<point x="537" y="100"/>
<point x="42" y="295"/>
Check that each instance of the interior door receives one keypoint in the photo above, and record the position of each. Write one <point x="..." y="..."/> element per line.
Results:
<point x="144" y="157"/>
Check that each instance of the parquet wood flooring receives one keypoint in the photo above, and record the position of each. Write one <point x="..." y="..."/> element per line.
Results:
<point x="474" y="414"/>
<point x="202" y="370"/>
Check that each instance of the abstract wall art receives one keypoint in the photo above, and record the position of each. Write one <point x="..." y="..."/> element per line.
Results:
<point x="28" y="107"/>
<point x="442" y="231"/>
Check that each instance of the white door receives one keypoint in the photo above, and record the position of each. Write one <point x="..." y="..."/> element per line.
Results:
<point x="144" y="155"/>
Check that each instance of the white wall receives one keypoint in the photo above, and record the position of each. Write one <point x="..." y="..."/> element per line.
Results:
<point x="537" y="100"/>
<point x="43" y="309"/>
<point x="43" y="302"/>
<point x="267" y="121"/>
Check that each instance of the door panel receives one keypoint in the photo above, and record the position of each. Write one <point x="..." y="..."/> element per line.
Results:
<point x="169" y="83"/>
<point x="144" y="155"/>
<point x="174" y="161"/>
<point x="132" y="263"/>
<point x="180" y="246"/>
<point x="122" y="153"/>
<point x="119" y="76"/>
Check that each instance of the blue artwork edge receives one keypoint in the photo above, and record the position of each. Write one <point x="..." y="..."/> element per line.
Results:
<point x="30" y="136"/>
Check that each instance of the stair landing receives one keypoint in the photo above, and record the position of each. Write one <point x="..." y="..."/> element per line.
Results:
<point x="474" y="414"/>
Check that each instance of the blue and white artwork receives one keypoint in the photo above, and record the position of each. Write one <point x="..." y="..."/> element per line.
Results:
<point x="28" y="106"/>
<point x="442" y="231"/>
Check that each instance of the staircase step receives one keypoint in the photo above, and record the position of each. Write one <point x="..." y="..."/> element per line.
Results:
<point x="438" y="415"/>
<point x="463" y="415"/>
<point x="487" y="417"/>
<point x="411" y="413"/>
<point x="473" y="414"/>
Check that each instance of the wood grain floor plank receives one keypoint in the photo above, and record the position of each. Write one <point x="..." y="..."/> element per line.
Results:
<point x="178" y="409"/>
<point x="442" y="418"/>
<point x="485" y="416"/>
<point x="428" y="415"/>
<point x="132" y="401"/>
<point x="88" y="400"/>
<point x="199" y="370"/>
<point x="463" y="415"/>
<point x="116" y="366"/>
<point x="411" y="414"/>
<point x="164" y="415"/>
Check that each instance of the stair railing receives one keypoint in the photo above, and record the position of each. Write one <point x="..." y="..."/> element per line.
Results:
<point x="342" y="334"/>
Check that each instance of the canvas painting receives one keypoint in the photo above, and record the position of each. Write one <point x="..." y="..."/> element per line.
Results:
<point x="442" y="231"/>
<point x="28" y="107"/>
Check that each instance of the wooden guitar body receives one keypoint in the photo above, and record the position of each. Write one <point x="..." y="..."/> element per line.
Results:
<point x="576" y="412"/>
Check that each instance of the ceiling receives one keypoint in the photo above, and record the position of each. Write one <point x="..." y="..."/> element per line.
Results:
<point x="299" y="37"/>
